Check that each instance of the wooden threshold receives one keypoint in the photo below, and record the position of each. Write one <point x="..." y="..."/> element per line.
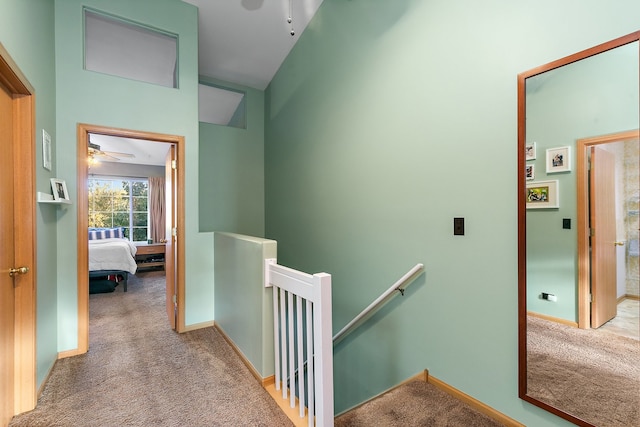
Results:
<point x="292" y="413"/>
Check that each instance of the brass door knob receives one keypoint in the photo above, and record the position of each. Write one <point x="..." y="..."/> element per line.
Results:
<point x="19" y="270"/>
<point x="619" y="243"/>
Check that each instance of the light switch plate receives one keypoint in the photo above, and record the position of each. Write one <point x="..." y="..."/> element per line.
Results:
<point x="458" y="226"/>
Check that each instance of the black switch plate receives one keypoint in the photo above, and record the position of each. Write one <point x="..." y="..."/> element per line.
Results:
<point x="458" y="226"/>
<point x="566" y="223"/>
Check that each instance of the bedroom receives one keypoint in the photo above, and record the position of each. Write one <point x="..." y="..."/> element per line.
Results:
<point x="126" y="210"/>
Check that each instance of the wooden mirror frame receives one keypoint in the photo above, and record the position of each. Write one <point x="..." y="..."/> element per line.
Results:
<point x="522" y="255"/>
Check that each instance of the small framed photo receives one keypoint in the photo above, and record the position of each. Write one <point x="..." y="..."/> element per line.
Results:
<point x="529" y="171"/>
<point x="559" y="159"/>
<point x="46" y="150"/>
<point x="59" y="188"/>
<point x="542" y="195"/>
<point x="530" y="151"/>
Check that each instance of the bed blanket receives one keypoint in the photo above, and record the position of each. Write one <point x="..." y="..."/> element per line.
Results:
<point x="112" y="254"/>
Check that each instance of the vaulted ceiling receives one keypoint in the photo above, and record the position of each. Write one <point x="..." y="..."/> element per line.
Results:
<point x="240" y="41"/>
<point x="245" y="41"/>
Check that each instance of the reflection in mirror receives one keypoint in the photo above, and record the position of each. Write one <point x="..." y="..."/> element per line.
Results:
<point x="579" y="302"/>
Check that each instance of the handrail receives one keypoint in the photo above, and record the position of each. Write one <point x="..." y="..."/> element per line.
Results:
<point x="395" y="287"/>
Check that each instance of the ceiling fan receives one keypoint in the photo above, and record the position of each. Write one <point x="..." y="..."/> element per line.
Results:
<point x="95" y="153"/>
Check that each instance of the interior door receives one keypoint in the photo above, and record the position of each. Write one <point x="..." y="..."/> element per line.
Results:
<point x="603" y="238"/>
<point x="171" y="247"/>
<point x="7" y="258"/>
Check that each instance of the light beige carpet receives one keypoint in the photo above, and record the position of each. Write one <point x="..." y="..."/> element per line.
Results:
<point x="414" y="404"/>
<point x="138" y="372"/>
<point x="591" y="374"/>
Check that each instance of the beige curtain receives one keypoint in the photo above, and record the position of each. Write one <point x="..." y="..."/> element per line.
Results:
<point x="157" y="208"/>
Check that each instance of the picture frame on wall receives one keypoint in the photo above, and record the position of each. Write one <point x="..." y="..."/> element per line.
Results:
<point x="530" y="151"/>
<point x="529" y="171"/>
<point x="46" y="150"/>
<point x="559" y="159"/>
<point x="59" y="189"/>
<point x="542" y="195"/>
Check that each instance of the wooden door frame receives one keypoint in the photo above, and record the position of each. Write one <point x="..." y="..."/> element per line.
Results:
<point x="584" y="262"/>
<point x="83" y="223"/>
<point x="24" y="144"/>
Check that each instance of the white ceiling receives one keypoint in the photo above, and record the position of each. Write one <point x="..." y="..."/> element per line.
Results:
<point x="245" y="41"/>
<point x="144" y="152"/>
<point x="240" y="41"/>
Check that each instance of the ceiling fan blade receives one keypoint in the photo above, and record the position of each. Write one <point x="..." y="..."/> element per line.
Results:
<point x="104" y="155"/>
<point x="115" y="153"/>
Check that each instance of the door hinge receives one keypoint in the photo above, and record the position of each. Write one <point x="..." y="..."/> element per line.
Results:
<point x="590" y="297"/>
<point x="175" y="300"/>
<point x="174" y="165"/>
<point x="174" y="232"/>
<point x="592" y="232"/>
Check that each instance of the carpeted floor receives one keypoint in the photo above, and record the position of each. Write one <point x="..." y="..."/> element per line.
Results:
<point x="414" y="404"/>
<point x="591" y="374"/>
<point x="138" y="372"/>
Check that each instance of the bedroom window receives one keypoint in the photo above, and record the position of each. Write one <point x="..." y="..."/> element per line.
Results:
<point x="120" y="202"/>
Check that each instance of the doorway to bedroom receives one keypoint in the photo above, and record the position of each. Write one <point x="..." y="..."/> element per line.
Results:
<point x="130" y="183"/>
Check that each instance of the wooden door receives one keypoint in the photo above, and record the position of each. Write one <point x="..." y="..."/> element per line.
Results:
<point x="170" y="234"/>
<point x="603" y="226"/>
<point x="7" y="258"/>
<point x="17" y="241"/>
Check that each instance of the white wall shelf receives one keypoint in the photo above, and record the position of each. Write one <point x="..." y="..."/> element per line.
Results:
<point x="48" y="198"/>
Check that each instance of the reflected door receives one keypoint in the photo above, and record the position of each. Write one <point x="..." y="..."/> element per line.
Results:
<point x="170" y="235"/>
<point x="603" y="226"/>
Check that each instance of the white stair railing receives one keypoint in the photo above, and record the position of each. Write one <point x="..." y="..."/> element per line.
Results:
<point x="397" y="286"/>
<point x="302" y="332"/>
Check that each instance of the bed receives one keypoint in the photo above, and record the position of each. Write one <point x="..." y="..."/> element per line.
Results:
<point x="111" y="255"/>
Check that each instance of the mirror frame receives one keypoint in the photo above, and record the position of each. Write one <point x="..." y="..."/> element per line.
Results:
<point x="522" y="255"/>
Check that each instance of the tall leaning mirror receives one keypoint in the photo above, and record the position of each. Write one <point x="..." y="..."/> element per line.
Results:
<point x="578" y="231"/>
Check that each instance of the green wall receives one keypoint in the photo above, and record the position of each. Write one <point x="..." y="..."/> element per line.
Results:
<point x="387" y="120"/>
<point x="244" y="307"/>
<point x="89" y="97"/>
<point x="26" y="32"/>
<point x="596" y="96"/>
<point x="231" y="170"/>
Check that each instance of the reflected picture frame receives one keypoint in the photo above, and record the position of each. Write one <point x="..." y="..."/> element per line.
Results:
<point x="559" y="159"/>
<point x="530" y="151"/>
<point x="59" y="190"/>
<point x="542" y="195"/>
<point x="530" y="172"/>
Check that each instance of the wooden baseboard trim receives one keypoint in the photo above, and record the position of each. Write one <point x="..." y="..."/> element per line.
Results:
<point x="69" y="353"/>
<point x="474" y="403"/>
<point x="266" y="382"/>
<point x="46" y="378"/>
<point x="633" y="297"/>
<point x="240" y="354"/>
<point x="196" y="326"/>
<point x="553" y="319"/>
